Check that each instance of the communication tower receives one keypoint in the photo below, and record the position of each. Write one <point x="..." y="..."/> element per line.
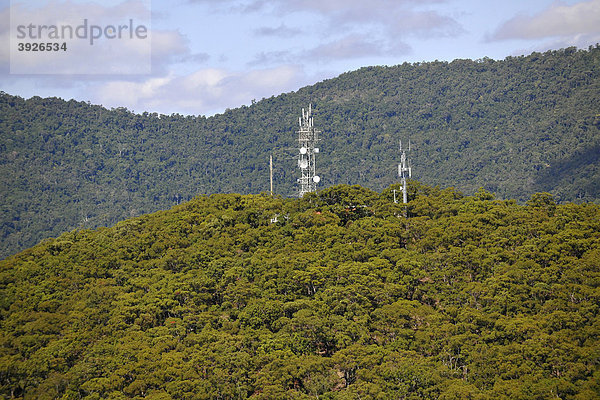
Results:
<point x="308" y="137"/>
<point x="404" y="171"/>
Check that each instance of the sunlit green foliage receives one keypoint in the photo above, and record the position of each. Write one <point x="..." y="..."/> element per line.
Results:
<point x="338" y="295"/>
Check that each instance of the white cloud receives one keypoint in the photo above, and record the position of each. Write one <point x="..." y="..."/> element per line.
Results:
<point x="342" y="25"/>
<point x="196" y="58"/>
<point x="353" y="46"/>
<point x="425" y="24"/>
<point x="559" y="20"/>
<point x="205" y="91"/>
<point x="168" y="47"/>
<point x="407" y="17"/>
<point x="105" y="57"/>
<point x="168" y="43"/>
<point x="129" y="93"/>
<point x="271" y="57"/>
<point x="122" y="44"/>
<point x="280" y="31"/>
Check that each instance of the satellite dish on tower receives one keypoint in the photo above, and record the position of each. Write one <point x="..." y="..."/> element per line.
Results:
<point x="316" y="179"/>
<point x="303" y="164"/>
<point x="302" y="150"/>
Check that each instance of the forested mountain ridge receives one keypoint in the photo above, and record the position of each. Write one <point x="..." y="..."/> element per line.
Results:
<point x="515" y="127"/>
<point x="336" y="295"/>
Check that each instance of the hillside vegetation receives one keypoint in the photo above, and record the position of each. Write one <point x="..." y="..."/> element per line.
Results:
<point x="336" y="295"/>
<point x="515" y="127"/>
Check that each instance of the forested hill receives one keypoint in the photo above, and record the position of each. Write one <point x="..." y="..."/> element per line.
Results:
<point x="515" y="127"/>
<point x="334" y="296"/>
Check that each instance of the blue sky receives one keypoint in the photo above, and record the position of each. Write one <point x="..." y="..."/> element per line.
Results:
<point x="209" y="55"/>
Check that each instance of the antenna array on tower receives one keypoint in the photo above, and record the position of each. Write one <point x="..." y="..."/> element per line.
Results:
<point x="404" y="171"/>
<point x="308" y="137"/>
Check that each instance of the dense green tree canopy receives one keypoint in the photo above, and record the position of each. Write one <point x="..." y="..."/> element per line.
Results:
<point x="515" y="127"/>
<point x="337" y="295"/>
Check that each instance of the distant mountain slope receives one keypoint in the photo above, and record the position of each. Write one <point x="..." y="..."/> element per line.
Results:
<point x="341" y="298"/>
<point x="515" y="127"/>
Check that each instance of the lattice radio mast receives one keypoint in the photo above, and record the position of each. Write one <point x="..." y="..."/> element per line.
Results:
<point x="308" y="137"/>
<point x="404" y="171"/>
